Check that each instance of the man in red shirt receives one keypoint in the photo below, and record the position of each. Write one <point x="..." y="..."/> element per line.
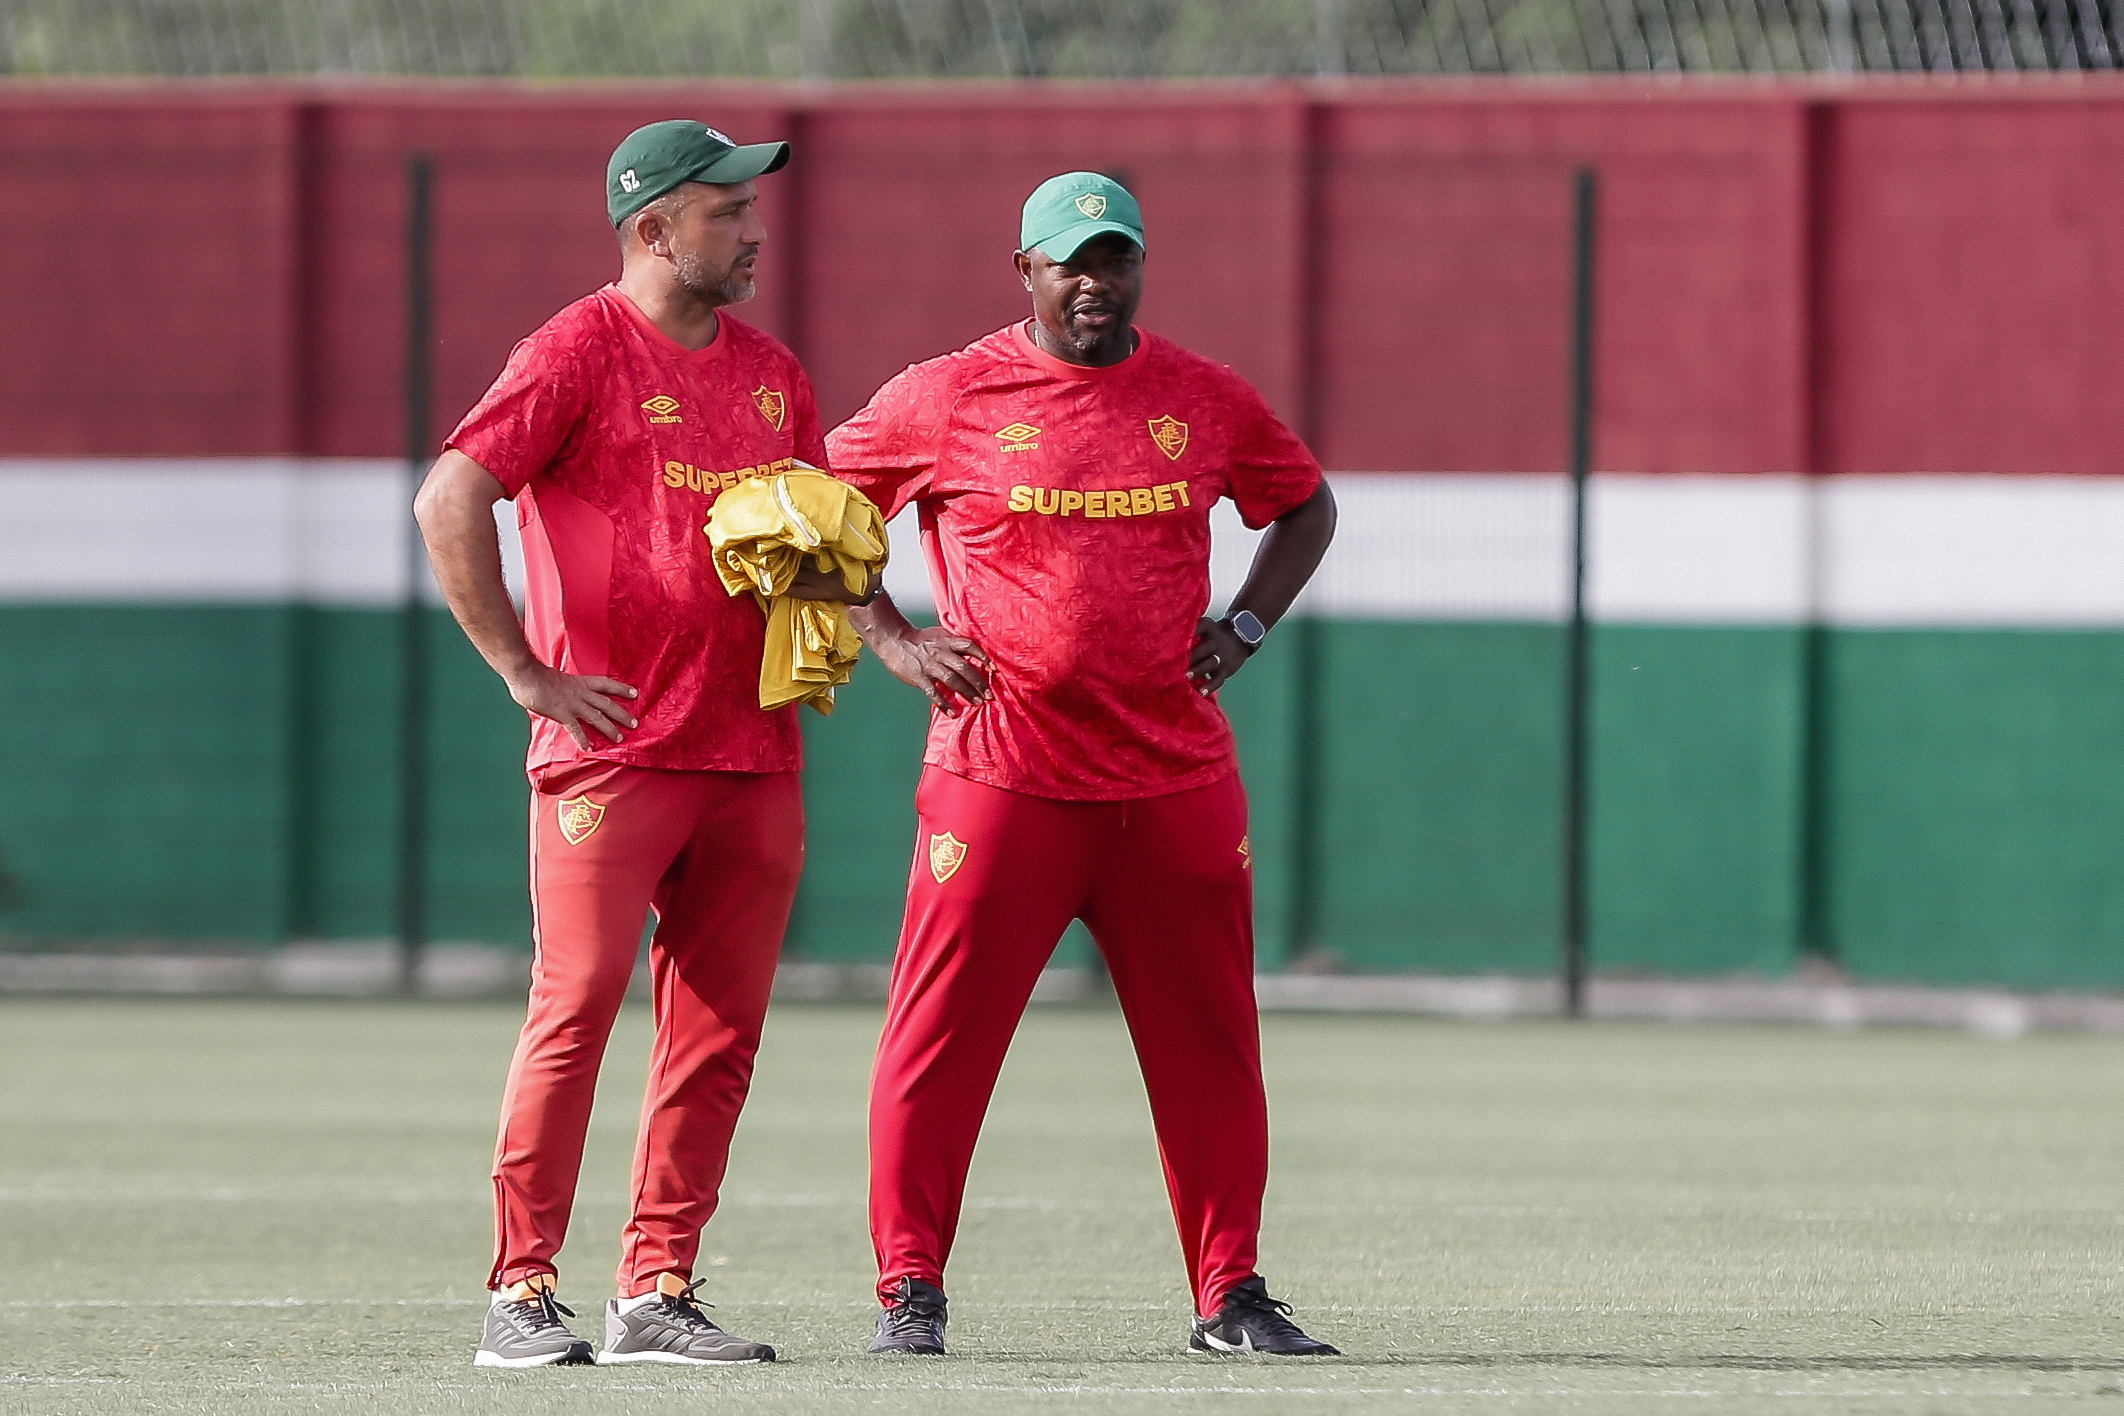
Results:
<point x="658" y="781"/>
<point x="1078" y="764"/>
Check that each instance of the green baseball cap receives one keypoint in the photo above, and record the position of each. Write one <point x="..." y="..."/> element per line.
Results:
<point x="1064" y="212"/>
<point x="653" y="160"/>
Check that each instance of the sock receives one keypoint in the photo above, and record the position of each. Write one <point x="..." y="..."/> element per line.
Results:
<point x="529" y="1287"/>
<point x="667" y="1285"/>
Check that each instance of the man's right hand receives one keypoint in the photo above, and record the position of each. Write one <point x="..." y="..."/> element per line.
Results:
<point x="949" y="668"/>
<point x="575" y="701"/>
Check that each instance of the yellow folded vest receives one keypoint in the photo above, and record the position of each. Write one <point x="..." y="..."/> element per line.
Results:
<point x="759" y="534"/>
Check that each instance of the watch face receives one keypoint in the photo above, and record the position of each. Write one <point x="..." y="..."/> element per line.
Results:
<point x="1249" y="628"/>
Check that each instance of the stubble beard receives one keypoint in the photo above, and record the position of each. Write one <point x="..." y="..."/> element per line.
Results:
<point x="711" y="286"/>
<point x="1090" y="343"/>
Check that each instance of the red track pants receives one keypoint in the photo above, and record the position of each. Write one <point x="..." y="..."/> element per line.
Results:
<point x="717" y="855"/>
<point x="1164" y="885"/>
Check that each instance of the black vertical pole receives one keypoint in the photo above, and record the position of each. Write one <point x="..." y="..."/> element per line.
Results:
<point x="1305" y="921"/>
<point x="412" y="641"/>
<point x="1577" y="718"/>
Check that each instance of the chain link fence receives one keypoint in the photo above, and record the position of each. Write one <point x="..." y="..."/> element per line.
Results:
<point x="1084" y="39"/>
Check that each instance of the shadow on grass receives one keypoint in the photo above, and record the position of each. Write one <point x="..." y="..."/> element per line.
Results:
<point x="1750" y="1362"/>
<point x="1616" y="1361"/>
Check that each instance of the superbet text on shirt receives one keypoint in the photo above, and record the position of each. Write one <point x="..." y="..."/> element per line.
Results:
<point x="615" y="441"/>
<point x="1065" y="518"/>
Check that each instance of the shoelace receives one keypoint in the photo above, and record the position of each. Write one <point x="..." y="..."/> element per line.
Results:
<point x="1274" y="1319"/>
<point x="684" y="1308"/>
<point x="542" y="1312"/>
<point x="913" y="1314"/>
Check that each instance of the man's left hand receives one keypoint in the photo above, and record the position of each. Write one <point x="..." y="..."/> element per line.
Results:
<point x="1218" y="654"/>
<point x="811" y="583"/>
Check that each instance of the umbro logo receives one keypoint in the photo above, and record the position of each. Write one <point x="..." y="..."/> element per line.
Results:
<point x="663" y="409"/>
<point x="1019" y="437"/>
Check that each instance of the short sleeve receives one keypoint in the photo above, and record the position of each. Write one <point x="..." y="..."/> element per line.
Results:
<point x="889" y="450"/>
<point x="522" y="423"/>
<point x="1272" y="471"/>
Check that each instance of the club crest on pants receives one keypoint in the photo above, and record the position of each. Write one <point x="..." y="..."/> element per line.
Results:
<point x="579" y="816"/>
<point x="946" y="853"/>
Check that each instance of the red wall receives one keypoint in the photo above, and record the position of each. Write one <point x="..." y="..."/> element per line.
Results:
<point x="1893" y="276"/>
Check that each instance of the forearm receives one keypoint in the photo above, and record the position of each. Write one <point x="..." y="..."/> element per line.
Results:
<point x="946" y="667"/>
<point x="1287" y="557"/>
<point x="456" y="517"/>
<point x="879" y="621"/>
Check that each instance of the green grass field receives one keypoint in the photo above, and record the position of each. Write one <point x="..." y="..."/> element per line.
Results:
<point x="216" y="1207"/>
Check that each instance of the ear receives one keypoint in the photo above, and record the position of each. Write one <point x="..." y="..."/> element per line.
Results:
<point x="651" y="231"/>
<point x="1023" y="261"/>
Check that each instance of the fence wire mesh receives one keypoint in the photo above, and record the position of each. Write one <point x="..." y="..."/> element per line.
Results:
<point x="1093" y="39"/>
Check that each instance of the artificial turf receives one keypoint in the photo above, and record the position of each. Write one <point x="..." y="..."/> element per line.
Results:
<point x="229" y="1207"/>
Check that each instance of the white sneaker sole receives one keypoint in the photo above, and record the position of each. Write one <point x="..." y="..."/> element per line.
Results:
<point x="484" y="1358"/>
<point x="1217" y="1348"/>
<point x="616" y="1359"/>
<point x="1217" y="1345"/>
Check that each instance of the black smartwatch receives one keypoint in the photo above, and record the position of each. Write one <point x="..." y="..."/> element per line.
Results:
<point x="1249" y="629"/>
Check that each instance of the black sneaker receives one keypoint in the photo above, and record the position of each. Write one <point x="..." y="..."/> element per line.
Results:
<point x="914" y="1322"/>
<point x="672" y="1328"/>
<point x="529" y="1333"/>
<point x="1251" y="1321"/>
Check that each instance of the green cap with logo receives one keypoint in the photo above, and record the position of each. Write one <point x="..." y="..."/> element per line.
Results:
<point x="1064" y="212"/>
<point x="655" y="159"/>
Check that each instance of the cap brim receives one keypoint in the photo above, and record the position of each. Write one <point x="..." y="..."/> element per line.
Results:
<point x="1066" y="243"/>
<point x="742" y="164"/>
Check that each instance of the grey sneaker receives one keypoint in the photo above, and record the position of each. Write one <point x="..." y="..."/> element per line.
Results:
<point x="672" y="1328"/>
<point x="528" y="1333"/>
<point x="914" y="1322"/>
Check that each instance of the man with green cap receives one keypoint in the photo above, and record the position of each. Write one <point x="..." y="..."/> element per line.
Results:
<point x="1078" y="765"/>
<point x="658" y="782"/>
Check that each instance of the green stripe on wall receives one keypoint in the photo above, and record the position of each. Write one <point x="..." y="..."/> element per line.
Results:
<point x="229" y="774"/>
<point x="478" y="797"/>
<point x="1976" y="812"/>
<point x="861" y="766"/>
<point x="1697" y="774"/>
<point x="1442" y="814"/>
<point x="1439" y="823"/>
<point x="146" y="765"/>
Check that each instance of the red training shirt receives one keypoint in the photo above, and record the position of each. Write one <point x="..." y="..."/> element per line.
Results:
<point x="615" y="439"/>
<point x="1065" y="518"/>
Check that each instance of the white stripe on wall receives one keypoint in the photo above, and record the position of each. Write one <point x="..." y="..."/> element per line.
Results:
<point x="1447" y="546"/>
<point x="1973" y="551"/>
<point x="1699" y="550"/>
<point x="236" y="530"/>
<point x="1863" y="551"/>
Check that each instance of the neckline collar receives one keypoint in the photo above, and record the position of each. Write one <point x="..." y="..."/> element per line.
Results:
<point x="1021" y="333"/>
<point x="711" y="350"/>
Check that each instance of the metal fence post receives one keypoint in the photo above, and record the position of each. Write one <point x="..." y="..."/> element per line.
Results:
<point x="1578" y="671"/>
<point x="412" y="641"/>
